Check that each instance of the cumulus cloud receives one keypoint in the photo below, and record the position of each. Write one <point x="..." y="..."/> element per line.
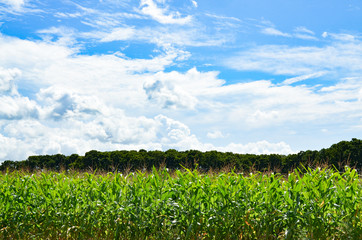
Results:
<point x="12" y="105"/>
<point x="72" y="123"/>
<point x="168" y="96"/>
<point x="177" y="90"/>
<point x="9" y="149"/>
<point x="13" y="108"/>
<point x="59" y="104"/>
<point x="72" y="113"/>
<point x="172" y="90"/>
<point x="45" y="64"/>
<point x="174" y="134"/>
<point x="7" y="80"/>
<point x="72" y="102"/>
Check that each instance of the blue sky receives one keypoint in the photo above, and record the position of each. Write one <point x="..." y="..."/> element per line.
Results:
<point x="243" y="76"/>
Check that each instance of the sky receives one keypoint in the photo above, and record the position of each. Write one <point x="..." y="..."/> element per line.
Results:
<point x="243" y="76"/>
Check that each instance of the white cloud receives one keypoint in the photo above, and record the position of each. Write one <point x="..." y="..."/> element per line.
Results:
<point x="226" y="19"/>
<point x="174" y="30"/>
<point x="261" y="147"/>
<point x="68" y="15"/>
<point x="46" y="63"/>
<point x="106" y="102"/>
<point x="119" y="34"/>
<point x="176" y="90"/>
<point x="14" y="107"/>
<point x="264" y="105"/>
<point x="73" y="113"/>
<point x="299" y="32"/>
<point x="7" y="80"/>
<point x="215" y="134"/>
<point x="161" y="36"/>
<point x="194" y="3"/>
<point x="16" y="5"/>
<point x="343" y="37"/>
<point x="303" y="77"/>
<point x="305" y="30"/>
<point x="279" y="59"/>
<point x="9" y="149"/>
<point x="304" y="33"/>
<point x="72" y="123"/>
<point x="305" y="36"/>
<point x="61" y="36"/>
<point x="167" y="95"/>
<point x="162" y="15"/>
<point x="81" y="100"/>
<point x="274" y="32"/>
<point x="100" y="19"/>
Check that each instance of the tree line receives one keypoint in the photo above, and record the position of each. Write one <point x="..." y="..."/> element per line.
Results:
<point x="337" y="156"/>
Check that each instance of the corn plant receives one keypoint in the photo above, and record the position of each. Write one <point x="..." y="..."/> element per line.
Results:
<point x="183" y="204"/>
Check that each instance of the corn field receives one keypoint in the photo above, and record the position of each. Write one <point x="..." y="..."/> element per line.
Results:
<point x="182" y="204"/>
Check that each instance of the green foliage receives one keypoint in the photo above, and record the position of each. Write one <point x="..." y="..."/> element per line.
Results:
<point x="184" y="204"/>
<point x="337" y="156"/>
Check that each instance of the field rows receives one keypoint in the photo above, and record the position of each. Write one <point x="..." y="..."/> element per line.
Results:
<point x="318" y="204"/>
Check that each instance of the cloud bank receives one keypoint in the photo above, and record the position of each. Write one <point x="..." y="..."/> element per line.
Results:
<point x="157" y="74"/>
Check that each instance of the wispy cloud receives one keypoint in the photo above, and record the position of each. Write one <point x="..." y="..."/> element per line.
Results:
<point x="15" y="5"/>
<point x="299" y="32"/>
<point x="279" y="59"/>
<point x="119" y="34"/>
<point x="305" y="36"/>
<point x="302" y="29"/>
<point x="68" y="15"/>
<point x="304" y="33"/>
<point x="303" y="77"/>
<point x="162" y="15"/>
<point x="342" y="36"/>
<point x="100" y="19"/>
<point x="162" y="36"/>
<point x="111" y="26"/>
<point x="194" y="3"/>
<point x="275" y="32"/>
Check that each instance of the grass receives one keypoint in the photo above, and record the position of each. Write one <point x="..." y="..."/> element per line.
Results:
<point x="315" y="204"/>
